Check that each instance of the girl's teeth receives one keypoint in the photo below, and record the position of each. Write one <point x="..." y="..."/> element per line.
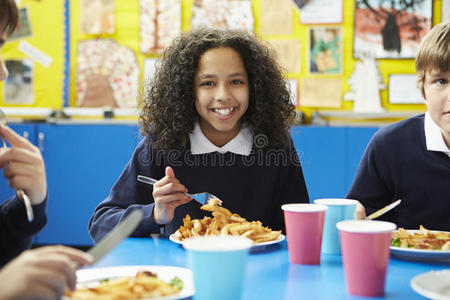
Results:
<point x="224" y="112"/>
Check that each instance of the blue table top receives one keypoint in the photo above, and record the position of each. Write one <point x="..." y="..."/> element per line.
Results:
<point x="269" y="275"/>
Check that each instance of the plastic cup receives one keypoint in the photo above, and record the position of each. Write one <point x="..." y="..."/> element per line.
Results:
<point x="304" y="228"/>
<point x="338" y="210"/>
<point x="218" y="265"/>
<point x="365" y="255"/>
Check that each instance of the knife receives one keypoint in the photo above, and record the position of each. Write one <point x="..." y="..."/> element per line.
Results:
<point x="115" y="236"/>
<point x="383" y="210"/>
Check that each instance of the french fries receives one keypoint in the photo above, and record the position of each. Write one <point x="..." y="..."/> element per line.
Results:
<point x="224" y="223"/>
<point x="424" y="239"/>
<point x="143" y="286"/>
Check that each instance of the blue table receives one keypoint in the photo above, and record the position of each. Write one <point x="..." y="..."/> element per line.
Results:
<point x="269" y="274"/>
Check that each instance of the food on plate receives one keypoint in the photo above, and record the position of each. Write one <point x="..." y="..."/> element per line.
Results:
<point x="224" y="223"/>
<point x="423" y="239"/>
<point x="144" y="285"/>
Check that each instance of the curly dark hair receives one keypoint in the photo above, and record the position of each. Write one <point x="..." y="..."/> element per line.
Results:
<point x="168" y="114"/>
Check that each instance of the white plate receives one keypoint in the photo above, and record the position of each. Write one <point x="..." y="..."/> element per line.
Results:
<point x="166" y="273"/>
<point x="434" y="284"/>
<point x="420" y="254"/>
<point x="255" y="247"/>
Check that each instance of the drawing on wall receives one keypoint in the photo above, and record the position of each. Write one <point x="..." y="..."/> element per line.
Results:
<point x="23" y="28"/>
<point x="97" y="16"/>
<point x="223" y="14"/>
<point x="292" y="85"/>
<point x="107" y="74"/>
<point x="160" y="22"/>
<point x="325" y="46"/>
<point x="390" y="28"/>
<point x="18" y="87"/>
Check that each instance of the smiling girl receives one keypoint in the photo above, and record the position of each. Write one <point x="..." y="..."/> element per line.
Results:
<point x="215" y="118"/>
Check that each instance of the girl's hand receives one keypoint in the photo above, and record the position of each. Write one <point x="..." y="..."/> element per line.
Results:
<point x="23" y="166"/>
<point x="42" y="273"/>
<point x="168" y="194"/>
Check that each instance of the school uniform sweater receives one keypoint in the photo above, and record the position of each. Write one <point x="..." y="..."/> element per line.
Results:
<point x="397" y="165"/>
<point x="16" y="233"/>
<point x="254" y="186"/>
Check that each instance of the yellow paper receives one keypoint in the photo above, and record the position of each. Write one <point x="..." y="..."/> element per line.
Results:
<point x="288" y="53"/>
<point x="276" y="17"/>
<point x="321" y="92"/>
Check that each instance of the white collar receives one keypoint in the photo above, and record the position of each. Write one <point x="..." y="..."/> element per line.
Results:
<point x="433" y="136"/>
<point x="241" y="144"/>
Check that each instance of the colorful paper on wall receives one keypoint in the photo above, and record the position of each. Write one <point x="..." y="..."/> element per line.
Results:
<point x="288" y="54"/>
<point x="276" y="17"/>
<point x="97" y="16"/>
<point x="107" y="74"/>
<point x="160" y="22"/>
<point x="223" y="14"/>
<point x="23" y="28"/>
<point x="325" y="50"/>
<point x="321" y="92"/>
<point x="18" y="87"/>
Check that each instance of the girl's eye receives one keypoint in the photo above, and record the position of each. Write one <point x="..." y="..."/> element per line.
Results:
<point x="207" y="83"/>
<point x="236" y="81"/>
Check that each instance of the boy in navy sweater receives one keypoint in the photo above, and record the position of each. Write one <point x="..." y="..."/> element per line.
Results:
<point x="410" y="160"/>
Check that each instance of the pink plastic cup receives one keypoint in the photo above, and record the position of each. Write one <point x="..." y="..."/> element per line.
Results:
<point x="365" y="255"/>
<point x="304" y="229"/>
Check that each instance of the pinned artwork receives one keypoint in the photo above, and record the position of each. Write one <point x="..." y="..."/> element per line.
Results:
<point x="321" y="92"/>
<point x="160" y="22"/>
<point x="365" y="83"/>
<point x="97" y="16"/>
<point x="391" y="29"/>
<point x="445" y="10"/>
<point x="223" y="14"/>
<point x="18" y="87"/>
<point x="288" y="54"/>
<point x="325" y="48"/>
<point x="292" y="85"/>
<point x="276" y="17"/>
<point x="23" y="28"/>
<point x="107" y="74"/>
<point x="321" y="12"/>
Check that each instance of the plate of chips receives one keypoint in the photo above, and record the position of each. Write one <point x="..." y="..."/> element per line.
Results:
<point x="422" y="244"/>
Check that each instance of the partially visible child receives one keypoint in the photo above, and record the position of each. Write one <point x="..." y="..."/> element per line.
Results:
<point x="410" y="160"/>
<point x="216" y="118"/>
<point x="41" y="273"/>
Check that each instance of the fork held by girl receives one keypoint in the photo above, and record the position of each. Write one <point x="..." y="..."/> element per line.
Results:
<point x="215" y="118"/>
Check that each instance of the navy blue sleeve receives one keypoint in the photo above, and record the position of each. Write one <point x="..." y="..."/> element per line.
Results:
<point x="128" y="194"/>
<point x="290" y="187"/>
<point x="371" y="184"/>
<point x="16" y="232"/>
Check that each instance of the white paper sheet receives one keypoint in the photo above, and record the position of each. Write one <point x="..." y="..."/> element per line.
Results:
<point x="403" y="89"/>
<point x="322" y="12"/>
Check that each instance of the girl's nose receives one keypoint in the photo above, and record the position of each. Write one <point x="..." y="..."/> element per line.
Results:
<point x="222" y="93"/>
<point x="3" y="71"/>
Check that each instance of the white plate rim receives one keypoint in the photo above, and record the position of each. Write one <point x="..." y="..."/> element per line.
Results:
<point x="163" y="272"/>
<point x="431" y="275"/>
<point x="420" y="253"/>
<point x="281" y="238"/>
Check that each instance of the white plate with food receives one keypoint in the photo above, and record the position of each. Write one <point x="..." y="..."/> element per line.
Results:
<point x="258" y="246"/>
<point x="434" y="284"/>
<point x="172" y="282"/>
<point x="403" y="246"/>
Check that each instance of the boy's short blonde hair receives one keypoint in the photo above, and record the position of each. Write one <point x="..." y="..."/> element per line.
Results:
<point x="434" y="53"/>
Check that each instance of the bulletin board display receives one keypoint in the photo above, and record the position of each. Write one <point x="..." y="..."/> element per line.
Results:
<point x="35" y="57"/>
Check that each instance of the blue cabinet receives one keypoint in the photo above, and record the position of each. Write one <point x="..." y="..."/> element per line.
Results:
<point x="82" y="163"/>
<point x="330" y="157"/>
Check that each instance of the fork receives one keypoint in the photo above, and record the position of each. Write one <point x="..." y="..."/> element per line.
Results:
<point x="201" y="198"/>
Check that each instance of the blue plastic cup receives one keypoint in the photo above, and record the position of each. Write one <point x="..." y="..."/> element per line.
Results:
<point x="338" y="210"/>
<point x="218" y="265"/>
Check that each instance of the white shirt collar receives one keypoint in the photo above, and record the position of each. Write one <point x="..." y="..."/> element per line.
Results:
<point x="433" y="136"/>
<point x="241" y="144"/>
